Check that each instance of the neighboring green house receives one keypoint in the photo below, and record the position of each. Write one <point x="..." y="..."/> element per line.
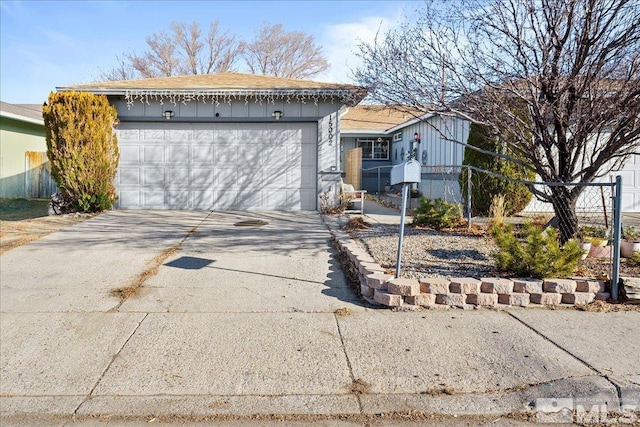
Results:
<point x="23" y="152"/>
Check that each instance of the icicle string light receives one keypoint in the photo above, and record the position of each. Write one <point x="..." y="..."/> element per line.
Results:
<point x="258" y="96"/>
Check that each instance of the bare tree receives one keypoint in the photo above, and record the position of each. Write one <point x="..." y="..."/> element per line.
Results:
<point x="573" y="66"/>
<point x="276" y="52"/>
<point x="183" y="50"/>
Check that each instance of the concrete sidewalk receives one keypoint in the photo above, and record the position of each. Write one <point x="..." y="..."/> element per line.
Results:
<point x="237" y="322"/>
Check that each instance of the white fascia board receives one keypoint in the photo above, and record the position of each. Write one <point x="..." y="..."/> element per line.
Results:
<point x="348" y="133"/>
<point x="21" y="118"/>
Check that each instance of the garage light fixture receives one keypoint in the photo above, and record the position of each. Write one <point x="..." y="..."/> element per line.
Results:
<point x="277" y="114"/>
<point x="167" y="114"/>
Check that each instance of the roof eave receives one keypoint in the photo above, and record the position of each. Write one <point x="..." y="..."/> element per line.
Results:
<point x="152" y="91"/>
<point x="359" y="132"/>
<point x="411" y="122"/>
<point x="21" y="118"/>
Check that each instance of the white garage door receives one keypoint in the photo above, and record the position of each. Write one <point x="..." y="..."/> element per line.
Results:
<point x="218" y="166"/>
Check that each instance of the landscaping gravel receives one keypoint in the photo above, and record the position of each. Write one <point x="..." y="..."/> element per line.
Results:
<point x="430" y="253"/>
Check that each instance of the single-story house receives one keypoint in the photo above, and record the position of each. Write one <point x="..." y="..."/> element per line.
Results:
<point x="23" y="152"/>
<point x="226" y="141"/>
<point x="388" y="136"/>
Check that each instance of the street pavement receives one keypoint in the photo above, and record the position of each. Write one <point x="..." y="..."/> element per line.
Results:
<point x="245" y="325"/>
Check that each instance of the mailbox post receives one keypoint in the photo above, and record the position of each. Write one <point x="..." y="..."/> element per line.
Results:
<point x="406" y="173"/>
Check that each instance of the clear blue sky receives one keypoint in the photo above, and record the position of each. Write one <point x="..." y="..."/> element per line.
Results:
<point x="45" y="44"/>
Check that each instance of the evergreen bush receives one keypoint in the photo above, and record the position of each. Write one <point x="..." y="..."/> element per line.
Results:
<point x="437" y="214"/>
<point x="484" y="186"/>
<point x="537" y="254"/>
<point x="82" y="148"/>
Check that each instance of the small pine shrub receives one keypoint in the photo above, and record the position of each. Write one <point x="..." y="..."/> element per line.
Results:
<point x="82" y="148"/>
<point x="634" y="259"/>
<point x="438" y="214"/>
<point x="538" y="254"/>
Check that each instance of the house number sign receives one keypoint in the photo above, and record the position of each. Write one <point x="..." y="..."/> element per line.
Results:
<point x="330" y="129"/>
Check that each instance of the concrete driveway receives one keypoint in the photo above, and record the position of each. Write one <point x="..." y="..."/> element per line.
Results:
<point x="241" y="321"/>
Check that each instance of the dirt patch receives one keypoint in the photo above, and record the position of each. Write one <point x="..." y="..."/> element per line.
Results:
<point x="126" y="292"/>
<point x="23" y="221"/>
<point x="359" y="386"/>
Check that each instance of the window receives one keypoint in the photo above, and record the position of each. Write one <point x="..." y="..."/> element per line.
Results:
<point x="397" y="137"/>
<point x="374" y="149"/>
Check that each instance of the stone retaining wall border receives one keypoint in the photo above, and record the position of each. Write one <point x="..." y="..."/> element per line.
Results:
<point x="380" y="288"/>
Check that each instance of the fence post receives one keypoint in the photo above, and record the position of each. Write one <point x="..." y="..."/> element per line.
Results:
<point x="617" y="219"/>
<point x="405" y="195"/>
<point x="469" y="197"/>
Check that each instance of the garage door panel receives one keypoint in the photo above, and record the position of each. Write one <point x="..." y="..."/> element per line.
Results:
<point x="153" y="199"/>
<point x="178" y="154"/>
<point x="274" y="199"/>
<point x="249" y="154"/>
<point x="203" y="135"/>
<point x="153" y="176"/>
<point x="202" y="153"/>
<point x="218" y="166"/>
<point x="153" y="135"/>
<point x="275" y="177"/>
<point x="250" y="177"/>
<point x="226" y="177"/>
<point x="274" y="154"/>
<point x="202" y="199"/>
<point x="129" y="154"/>
<point x="130" y="199"/>
<point x="183" y="135"/>
<point x="177" y="199"/>
<point x="248" y="199"/>
<point x="202" y="177"/>
<point x="129" y="134"/>
<point x="177" y="176"/>
<point x="153" y="153"/>
<point x="226" y="199"/>
<point x="129" y="176"/>
<point x="225" y="155"/>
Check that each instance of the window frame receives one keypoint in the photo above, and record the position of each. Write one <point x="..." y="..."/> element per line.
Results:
<point x="372" y="149"/>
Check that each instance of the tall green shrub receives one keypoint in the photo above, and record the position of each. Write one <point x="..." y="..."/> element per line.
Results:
<point x="484" y="186"/>
<point x="82" y="148"/>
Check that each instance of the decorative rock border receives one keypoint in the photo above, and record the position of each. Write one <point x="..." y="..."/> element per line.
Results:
<point x="378" y="287"/>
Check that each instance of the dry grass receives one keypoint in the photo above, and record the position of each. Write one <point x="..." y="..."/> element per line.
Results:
<point x="606" y="307"/>
<point x="356" y="223"/>
<point x="497" y="211"/>
<point x="127" y="292"/>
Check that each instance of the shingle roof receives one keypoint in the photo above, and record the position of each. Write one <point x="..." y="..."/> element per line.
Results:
<point x="374" y="118"/>
<point x="220" y="81"/>
<point x="25" y="112"/>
